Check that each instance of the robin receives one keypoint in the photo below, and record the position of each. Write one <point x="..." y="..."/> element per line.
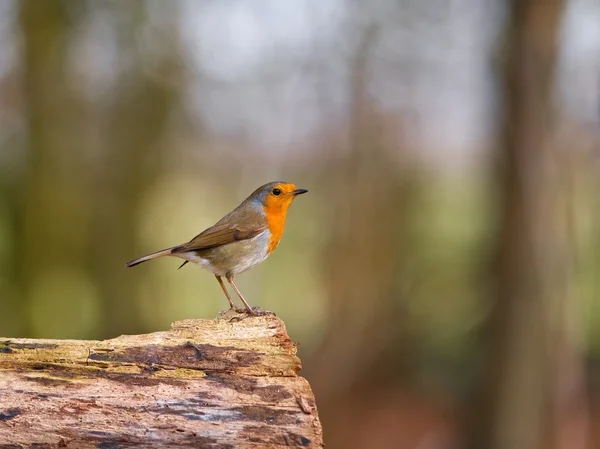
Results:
<point x="240" y="240"/>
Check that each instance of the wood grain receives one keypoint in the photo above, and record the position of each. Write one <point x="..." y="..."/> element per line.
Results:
<point x="204" y="383"/>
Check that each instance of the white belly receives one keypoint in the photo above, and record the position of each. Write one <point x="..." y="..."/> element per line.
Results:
<point x="233" y="258"/>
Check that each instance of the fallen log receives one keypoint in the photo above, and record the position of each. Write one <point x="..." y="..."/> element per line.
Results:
<point x="204" y="384"/>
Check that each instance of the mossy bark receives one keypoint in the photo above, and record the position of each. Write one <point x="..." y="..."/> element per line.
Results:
<point x="204" y="383"/>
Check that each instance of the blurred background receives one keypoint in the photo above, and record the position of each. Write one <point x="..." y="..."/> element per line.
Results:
<point x="441" y="276"/>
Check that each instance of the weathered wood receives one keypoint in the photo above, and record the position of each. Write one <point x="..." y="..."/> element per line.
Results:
<point x="204" y="383"/>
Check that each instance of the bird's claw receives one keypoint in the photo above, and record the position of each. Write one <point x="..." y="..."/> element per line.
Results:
<point x="254" y="311"/>
<point x="231" y="309"/>
<point x="257" y="311"/>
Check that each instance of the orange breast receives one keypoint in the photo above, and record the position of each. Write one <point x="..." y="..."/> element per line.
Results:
<point x="276" y="226"/>
<point x="275" y="212"/>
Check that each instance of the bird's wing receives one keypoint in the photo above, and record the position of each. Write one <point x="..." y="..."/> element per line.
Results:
<point x="220" y="234"/>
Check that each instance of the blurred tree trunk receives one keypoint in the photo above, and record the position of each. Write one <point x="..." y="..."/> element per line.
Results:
<point x="147" y="92"/>
<point x="365" y="350"/>
<point x="72" y="175"/>
<point x="534" y="256"/>
<point x="55" y="188"/>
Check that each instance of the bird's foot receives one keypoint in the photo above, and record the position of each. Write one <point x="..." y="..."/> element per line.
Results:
<point x="257" y="311"/>
<point x="231" y="310"/>
<point x="254" y="311"/>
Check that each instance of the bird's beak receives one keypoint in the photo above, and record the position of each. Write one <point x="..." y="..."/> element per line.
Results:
<point x="299" y="192"/>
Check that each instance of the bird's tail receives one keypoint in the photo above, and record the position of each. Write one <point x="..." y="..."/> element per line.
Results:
<point x="156" y="255"/>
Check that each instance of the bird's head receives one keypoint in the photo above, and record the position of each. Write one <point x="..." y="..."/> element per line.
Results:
<point x="276" y="197"/>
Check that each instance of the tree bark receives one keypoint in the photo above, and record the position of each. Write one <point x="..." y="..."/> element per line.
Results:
<point x="204" y="383"/>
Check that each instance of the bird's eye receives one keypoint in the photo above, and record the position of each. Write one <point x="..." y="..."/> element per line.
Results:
<point x="276" y="191"/>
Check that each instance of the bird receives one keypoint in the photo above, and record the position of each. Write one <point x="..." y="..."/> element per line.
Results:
<point x="240" y="240"/>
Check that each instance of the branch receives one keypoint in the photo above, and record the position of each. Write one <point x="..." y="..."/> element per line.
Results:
<point x="204" y="383"/>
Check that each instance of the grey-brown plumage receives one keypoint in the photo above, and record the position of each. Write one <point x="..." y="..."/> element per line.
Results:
<point x="241" y="239"/>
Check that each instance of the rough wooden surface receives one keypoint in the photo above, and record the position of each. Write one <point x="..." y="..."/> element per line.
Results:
<point x="203" y="384"/>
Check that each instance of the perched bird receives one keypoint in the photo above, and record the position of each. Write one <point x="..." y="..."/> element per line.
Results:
<point x="240" y="240"/>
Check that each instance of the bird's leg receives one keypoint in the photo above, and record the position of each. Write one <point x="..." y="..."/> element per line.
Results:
<point x="232" y="306"/>
<point x="249" y="310"/>
<point x="239" y="293"/>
